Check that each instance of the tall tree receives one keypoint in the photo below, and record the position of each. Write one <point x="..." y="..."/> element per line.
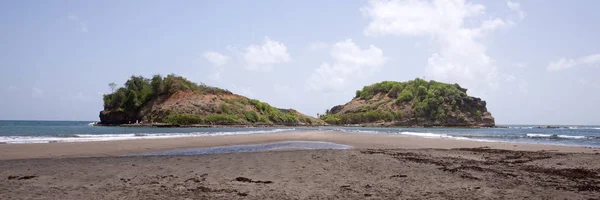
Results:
<point x="112" y="86"/>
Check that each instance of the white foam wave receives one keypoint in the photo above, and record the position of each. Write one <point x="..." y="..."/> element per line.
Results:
<point x="132" y="136"/>
<point x="414" y="134"/>
<point x="521" y="127"/>
<point x="356" y="131"/>
<point x="433" y="135"/>
<point x="536" y="135"/>
<point x="572" y="136"/>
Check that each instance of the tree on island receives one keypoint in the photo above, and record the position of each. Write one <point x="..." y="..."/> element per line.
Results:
<point x="112" y="86"/>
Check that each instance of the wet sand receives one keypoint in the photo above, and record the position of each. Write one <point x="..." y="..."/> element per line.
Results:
<point x="445" y="169"/>
<point x="123" y="147"/>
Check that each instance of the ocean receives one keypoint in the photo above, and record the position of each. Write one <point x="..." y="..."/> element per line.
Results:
<point x="15" y="132"/>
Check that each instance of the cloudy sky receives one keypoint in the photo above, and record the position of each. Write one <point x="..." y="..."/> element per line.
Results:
<point x="533" y="62"/>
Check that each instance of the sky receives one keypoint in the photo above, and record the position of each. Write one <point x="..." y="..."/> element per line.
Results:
<point x="533" y="62"/>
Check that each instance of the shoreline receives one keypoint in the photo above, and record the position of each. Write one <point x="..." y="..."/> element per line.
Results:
<point x="356" y="140"/>
<point x="466" y="173"/>
<point x="163" y="125"/>
<point x="367" y="125"/>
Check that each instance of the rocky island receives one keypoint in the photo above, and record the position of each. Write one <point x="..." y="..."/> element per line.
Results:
<point x="175" y="101"/>
<point x="413" y="103"/>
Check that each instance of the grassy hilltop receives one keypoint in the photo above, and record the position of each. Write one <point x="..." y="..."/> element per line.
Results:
<point x="412" y="103"/>
<point x="176" y="100"/>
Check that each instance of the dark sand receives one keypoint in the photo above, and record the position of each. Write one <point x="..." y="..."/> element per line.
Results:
<point x="363" y="141"/>
<point x="368" y="173"/>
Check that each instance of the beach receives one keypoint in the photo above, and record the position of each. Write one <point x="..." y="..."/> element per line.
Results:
<point x="377" y="167"/>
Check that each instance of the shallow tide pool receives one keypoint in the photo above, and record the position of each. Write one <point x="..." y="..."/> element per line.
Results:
<point x="249" y="148"/>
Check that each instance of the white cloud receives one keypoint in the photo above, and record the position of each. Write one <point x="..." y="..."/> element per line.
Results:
<point x="460" y="52"/>
<point x="509" y="78"/>
<point x="216" y="73"/>
<point x="520" y="65"/>
<point x="565" y="63"/>
<point x="516" y="7"/>
<point x="591" y="59"/>
<point x="73" y="17"/>
<point x="561" y="64"/>
<point x="318" y="46"/>
<point x="82" y="25"/>
<point x="349" y="62"/>
<point x="215" y="58"/>
<point x="587" y="82"/>
<point x="263" y="57"/>
<point x="37" y="93"/>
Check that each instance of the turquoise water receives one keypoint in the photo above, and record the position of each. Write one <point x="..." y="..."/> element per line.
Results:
<point x="80" y="131"/>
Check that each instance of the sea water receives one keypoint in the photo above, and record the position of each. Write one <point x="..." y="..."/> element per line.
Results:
<point x="12" y="132"/>
<point x="250" y="148"/>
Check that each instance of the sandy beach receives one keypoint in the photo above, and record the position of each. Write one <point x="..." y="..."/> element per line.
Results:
<point x="379" y="167"/>
<point x="361" y="141"/>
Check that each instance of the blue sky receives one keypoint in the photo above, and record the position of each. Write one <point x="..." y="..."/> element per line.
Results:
<point x="533" y="62"/>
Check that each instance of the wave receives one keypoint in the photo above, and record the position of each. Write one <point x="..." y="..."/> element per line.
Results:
<point x="536" y="135"/>
<point x="67" y="135"/>
<point x="407" y="133"/>
<point x="129" y="136"/>
<point x="483" y="138"/>
<point x="521" y="127"/>
<point x="434" y="135"/>
<point x="584" y="127"/>
<point x="356" y="131"/>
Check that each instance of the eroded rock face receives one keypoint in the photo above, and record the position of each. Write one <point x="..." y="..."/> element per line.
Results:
<point x="336" y="109"/>
<point x="187" y="102"/>
<point x="432" y="104"/>
<point x="117" y="117"/>
<point x="465" y="114"/>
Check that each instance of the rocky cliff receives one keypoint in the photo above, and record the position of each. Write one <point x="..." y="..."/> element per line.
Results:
<point x="175" y="100"/>
<point x="413" y="103"/>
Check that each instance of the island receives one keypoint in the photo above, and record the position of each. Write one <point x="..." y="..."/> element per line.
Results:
<point x="413" y="103"/>
<point x="175" y="101"/>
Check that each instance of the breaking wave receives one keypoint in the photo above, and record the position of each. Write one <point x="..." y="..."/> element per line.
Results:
<point x="537" y="135"/>
<point x="130" y="136"/>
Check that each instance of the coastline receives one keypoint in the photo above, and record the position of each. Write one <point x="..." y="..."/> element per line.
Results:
<point x="356" y="140"/>
<point x="163" y="125"/>
<point x="371" y="125"/>
<point x="378" y="167"/>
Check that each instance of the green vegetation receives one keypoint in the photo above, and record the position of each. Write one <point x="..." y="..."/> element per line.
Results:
<point x="221" y="119"/>
<point x="138" y="91"/>
<point x="276" y="115"/>
<point x="427" y="100"/>
<point x="404" y="91"/>
<point x="247" y="117"/>
<point x="184" y="119"/>
<point x="187" y="119"/>
<point x="361" y="117"/>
